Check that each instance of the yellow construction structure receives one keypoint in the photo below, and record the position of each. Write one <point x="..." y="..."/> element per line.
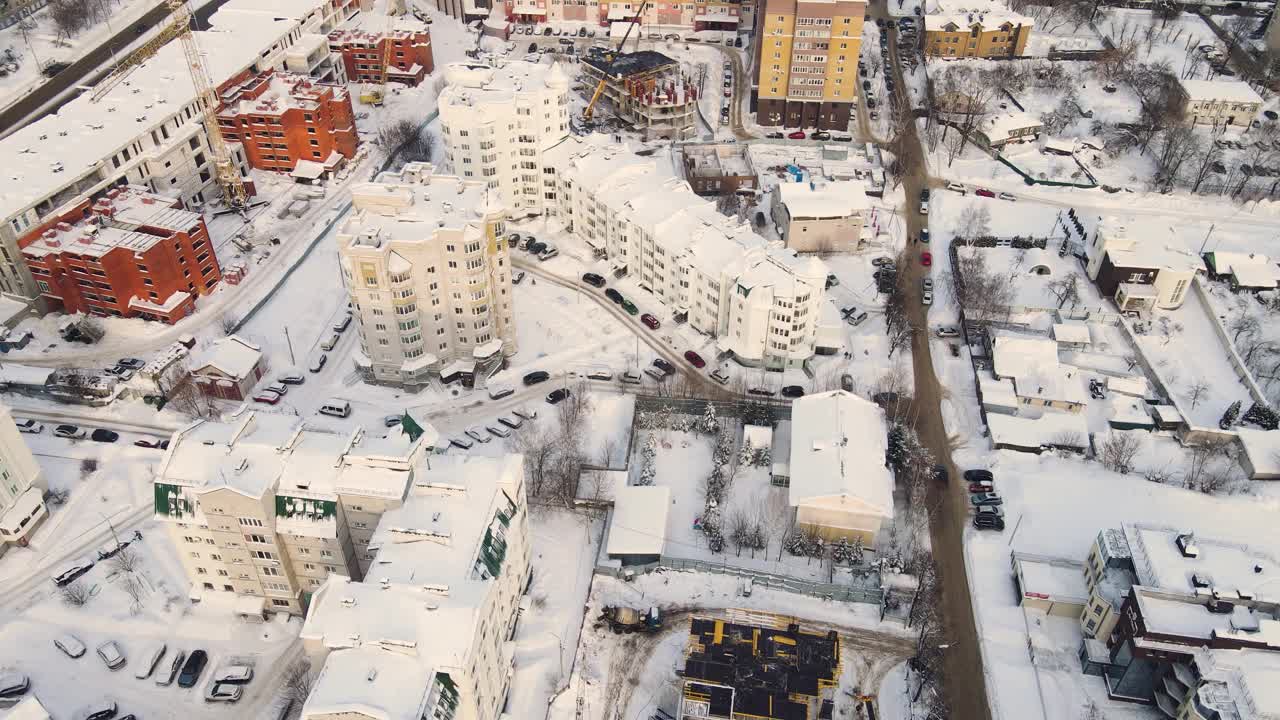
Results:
<point x="178" y="25"/>
<point x="595" y="97"/>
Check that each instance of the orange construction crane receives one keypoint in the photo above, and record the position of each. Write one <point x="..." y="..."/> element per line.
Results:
<point x="608" y="71"/>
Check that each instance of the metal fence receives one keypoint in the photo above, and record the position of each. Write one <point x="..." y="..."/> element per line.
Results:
<point x="759" y="578"/>
<point x="776" y="409"/>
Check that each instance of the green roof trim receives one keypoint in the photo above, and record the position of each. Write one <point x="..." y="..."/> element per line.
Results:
<point x="171" y="502"/>
<point x="294" y="507"/>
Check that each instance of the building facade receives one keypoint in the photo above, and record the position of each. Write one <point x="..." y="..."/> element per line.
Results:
<point x="718" y="169"/>
<point x="363" y="52"/>
<point x="724" y="15"/>
<point x="806" y="63"/>
<point x="975" y="29"/>
<point x="1140" y="276"/>
<point x="762" y="304"/>
<point x="1220" y="103"/>
<point x="821" y="217"/>
<point x="647" y="90"/>
<point x="22" y="487"/>
<point x="431" y="633"/>
<point x="281" y="118"/>
<point x="132" y="253"/>
<point x="497" y="122"/>
<point x="264" y="506"/>
<point x="428" y="268"/>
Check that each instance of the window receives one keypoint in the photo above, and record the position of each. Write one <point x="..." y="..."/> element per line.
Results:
<point x="256" y="539"/>
<point x="250" y="522"/>
<point x="279" y="603"/>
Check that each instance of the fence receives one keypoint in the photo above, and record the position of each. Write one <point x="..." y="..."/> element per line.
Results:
<point x="776" y="410"/>
<point x="759" y="578"/>
<point x="1028" y="179"/>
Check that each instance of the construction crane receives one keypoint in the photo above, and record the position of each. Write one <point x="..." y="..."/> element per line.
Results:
<point x="608" y="71"/>
<point x="375" y="95"/>
<point x="178" y="25"/>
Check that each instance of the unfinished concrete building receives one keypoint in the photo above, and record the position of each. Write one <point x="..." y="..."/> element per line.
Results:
<point x="719" y="168"/>
<point x="646" y="90"/>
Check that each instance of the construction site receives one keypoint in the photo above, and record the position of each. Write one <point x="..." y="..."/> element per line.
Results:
<point x="743" y="671"/>
<point x="647" y="92"/>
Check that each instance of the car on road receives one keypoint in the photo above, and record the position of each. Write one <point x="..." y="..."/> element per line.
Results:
<point x="511" y="421"/>
<point x="593" y="280"/>
<point x="822" y="135"/>
<point x="1007" y="196"/>
<point x="983" y="192"/>
<point x="924" y="201"/>
<point x="979" y="475"/>
<point x="947" y="331"/>
<point x="926" y="259"/>
<point x="70" y="645"/>
<point x="695" y="359"/>
<point x="111" y="654"/>
<point x="775" y="136"/>
<point x="498" y="431"/>
<point x="270" y="397"/>
<point x="650" y="321"/>
<point x="192" y="668"/>
<point x="291" y="379"/>
<point x="924" y="235"/>
<point x="630" y="307"/>
<point x="614" y="295"/>
<point x="988" y="522"/>
<point x="318" y="364"/>
<point x="517" y="277"/>
<point x="987" y="498"/>
<point x="666" y="367"/>
<point x="28" y="426"/>
<point x="536" y="377"/>
<point x="557" y="395"/>
<point x="926" y="283"/>
<point x="153" y="443"/>
<point x="223" y="692"/>
<point x="104" y="436"/>
<point x="881" y="261"/>
<point x="130" y="363"/>
<point x="98" y="710"/>
<point x="71" y="432"/>
<point x="792" y="391"/>
<point x="797" y="135"/>
<point x="926" y="297"/>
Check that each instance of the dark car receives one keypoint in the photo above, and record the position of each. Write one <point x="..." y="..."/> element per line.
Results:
<point x="986" y="499"/>
<point x="866" y="85"/>
<point x="823" y="135"/>
<point x="593" y="280"/>
<point x="54" y="68"/>
<point x="664" y="366"/>
<point x="793" y="391"/>
<point x="536" y="248"/>
<point x="979" y="476"/>
<point x="557" y="395"/>
<point x="940" y="473"/>
<point x="152" y="443"/>
<point x="104" y="436"/>
<point x="614" y="295"/>
<point x="533" y="47"/>
<point x="650" y="321"/>
<point x="695" y="359"/>
<point x="536" y="377"/>
<point x="630" y="307"/>
<point x="192" y="668"/>
<point x="981" y="487"/>
<point x="988" y="522"/>
<point x="775" y="135"/>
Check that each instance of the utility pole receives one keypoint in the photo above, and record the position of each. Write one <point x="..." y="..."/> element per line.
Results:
<point x="1206" y="237"/>
<point x="289" y="342"/>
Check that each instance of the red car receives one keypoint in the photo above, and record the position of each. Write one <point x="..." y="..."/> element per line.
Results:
<point x="976" y="487"/>
<point x="983" y="192"/>
<point x="797" y="135"/>
<point x="695" y="359"/>
<point x="926" y="259"/>
<point x="650" y="321"/>
<point x="270" y="397"/>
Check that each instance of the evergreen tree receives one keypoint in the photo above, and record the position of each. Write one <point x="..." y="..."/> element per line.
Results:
<point x="710" y="423"/>
<point x="1229" y="417"/>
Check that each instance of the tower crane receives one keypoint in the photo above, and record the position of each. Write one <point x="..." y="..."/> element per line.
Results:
<point x="608" y="71"/>
<point x="178" y="25"/>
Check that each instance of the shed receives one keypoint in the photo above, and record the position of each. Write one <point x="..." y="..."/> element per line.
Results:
<point x="1054" y="586"/>
<point x="1167" y="417"/>
<point x="1260" y="456"/>
<point x="1132" y="385"/>
<point x="1074" y="335"/>
<point x="229" y="368"/>
<point x="1128" y="413"/>
<point x="1066" y="431"/>
<point x="638" y="525"/>
<point x="997" y="396"/>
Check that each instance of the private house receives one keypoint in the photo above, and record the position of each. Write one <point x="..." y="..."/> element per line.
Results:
<point x="840" y="483"/>
<point x="1220" y="103"/>
<point x="997" y="131"/>
<point x="1039" y="380"/>
<point x="229" y="368"/>
<point x="1139" y="276"/>
<point x="1251" y="272"/>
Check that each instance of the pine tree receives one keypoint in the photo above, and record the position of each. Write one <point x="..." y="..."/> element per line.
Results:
<point x="746" y="456"/>
<point x="649" y="461"/>
<point x="841" y="551"/>
<point x="763" y="457"/>
<point x="855" y="552"/>
<point x="724" y="449"/>
<point x="1229" y="417"/>
<point x="710" y="423"/>
<point x="796" y="544"/>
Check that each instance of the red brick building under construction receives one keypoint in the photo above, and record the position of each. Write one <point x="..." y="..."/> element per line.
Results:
<point x="362" y="53"/>
<point x="281" y="118"/>
<point x="131" y="253"/>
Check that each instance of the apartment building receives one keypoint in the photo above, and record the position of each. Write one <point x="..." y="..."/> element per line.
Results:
<point x="22" y="487"/>
<point x="462" y="10"/>
<point x="1220" y="103"/>
<point x="265" y="506"/>
<point x="283" y="118"/>
<point x="362" y="53"/>
<point x="428" y="269"/>
<point x="725" y="15"/>
<point x="147" y="130"/>
<point x="806" y="63"/>
<point x="131" y="253"/>
<point x="764" y="305"/>
<point x="974" y="29"/>
<point x="496" y="123"/>
<point x="429" y="633"/>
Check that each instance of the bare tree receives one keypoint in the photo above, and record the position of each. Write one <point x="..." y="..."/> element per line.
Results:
<point x="1238" y="28"/>
<point x="1162" y="474"/>
<point x="1203" y="165"/>
<point x="228" y="323"/>
<point x="68" y="16"/>
<point x="538" y="447"/>
<point x="1067" y="440"/>
<point x="1243" y="324"/>
<point x="126" y="560"/>
<point x="75" y="594"/>
<point x="298" y="681"/>
<point x="1066" y="289"/>
<point x="974" y="222"/>
<point x="405" y="141"/>
<point x="186" y="397"/>
<point x="88" y="466"/>
<point x="1201" y="471"/>
<point x="1195" y="391"/>
<point x="1119" y="450"/>
<point x="134" y="588"/>
<point x="1176" y="146"/>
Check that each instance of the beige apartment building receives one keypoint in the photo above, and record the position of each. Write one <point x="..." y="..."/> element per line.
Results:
<point x="807" y="62"/>
<point x="428" y="269"/>
<point x="974" y="28"/>
<point x="264" y="506"/>
<point x="22" y="486"/>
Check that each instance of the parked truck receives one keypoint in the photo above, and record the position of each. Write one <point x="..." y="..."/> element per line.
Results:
<point x="628" y="620"/>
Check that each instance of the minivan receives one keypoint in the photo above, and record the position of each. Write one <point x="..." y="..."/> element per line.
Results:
<point x="329" y="342"/>
<point x="336" y="408"/>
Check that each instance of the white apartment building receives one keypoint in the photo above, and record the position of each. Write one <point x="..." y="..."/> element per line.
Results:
<point x="266" y="506"/>
<point x="1220" y="103"/>
<point x="147" y="130"/>
<point x="497" y="121"/>
<point x="22" y="487"/>
<point x="428" y="634"/>
<point x="428" y="269"/>
<point x="763" y="304"/>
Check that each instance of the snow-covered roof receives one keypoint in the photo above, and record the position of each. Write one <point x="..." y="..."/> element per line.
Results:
<point x="997" y="393"/>
<point x="1262" y="448"/>
<point x="1076" y="333"/>
<point x="1050" y="429"/>
<point x="1249" y="269"/>
<point x="1053" y="579"/>
<point x="1001" y="127"/>
<point x="369" y="681"/>
<point x="1239" y="684"/>
<point x="115" y="222"/>
<point x="639" y="523"/>
<point x="965" y="13"/>
<point x="1228" y="567"/>
<point x="1232" y="91"/>
<point x="413" y="207"/>
<point x="759" y="436"/>
<point x="1032" y="363"/>
<point x="16" y="516"/>
<point x="1129" y="411"/>
<point x="233" y="356"/>
<point x="1184" y="616"/>
<point x="780" y="453"/>
<point x="838" y="444"/>
<point x="1144" y="245"/>
<point x="1134" y="385"/>
<point x="474" y="85"/>
<point x="809" y="200"/>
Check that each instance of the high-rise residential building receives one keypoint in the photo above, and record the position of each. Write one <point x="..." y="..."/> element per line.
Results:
<point x="428" y="634"/>
<point x="975" y="28"/>
<point x="496" y="122"/>
<point x="806" y="64"/>
<point x="766" y="306"/>
<point x="283" y="118"/>
<point x="428" y="269"/>
<point x="724" y="15"/>
<point x="132" y="253"/>
<point x="266" y="506"/>
<point x="22" y="487"/>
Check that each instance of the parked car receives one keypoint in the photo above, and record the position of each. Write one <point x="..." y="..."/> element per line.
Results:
<point x="775" y="136"/>
<point x="131" y="363"/>
<point x="988" y="522"/>
<point x="475" y="433"/>
<point x="989" y="498"/>
<point x="947" y="331"/>
<point x="650" y="321"/>
<point x="103" y="435"/>
<point x="881" y="261"/>
<point x="793" y="391"/>
<point x="511" y="421"/>
<point x="614" y="295"/>
<point x="269" y="397"/>
<point x="630" y="307"/>
<point x="981" y="487"/>
<point x="926" y="297"/>
<point x="13" y="685"/>
<point x="822" y="135"/>
<point x="28" y="426"/>
<point x="797" y="135"/>
<point x="98" y="710"/>
<point x="983" y="192"/>
<point x="169" y="672"/>
<point x="111" y="654"/>
<point x="600" y="373"/>
<point x="762" y="391"/>
<point x="557" y="395"/>
<point x="993" y="510"/>
<point x="926" y="259"/>
<point x="979" y="475"/>
<point x="631" y="377"/>
<point x="525" y="413"/>
<point x="1007" y="196"/>
<point x="391" y="421"/>
<point x="536" y="377"/>
<point x="292" y="379"/>
<point x="192" y="668"/>
<point x="695" y="359"/>
<point x="153" y="443"/>
<point x="536" y="247"/>
<point x="517" y="277"/>
<point x="666" y="367"/>
<point x="498" y="430"/>
<point x="71" y="432"/>
<point x="148" y="662"/>
<point x="223" y="692"/>
<point x="70" y="645"/>
<point x="278" y="388"/>
<point x="593" y="280"/>
<point x="234" y="674"/>
<point x="547" y="253"/>
<point x="461" y="442"/>
<point x="499" y="391"/>
<point x="68" y="573"/>
<point x="318" y="363"/>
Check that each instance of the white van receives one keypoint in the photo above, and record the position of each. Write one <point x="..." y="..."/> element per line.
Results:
<point x="329" y="342"/>
<point x="336" y="408"/>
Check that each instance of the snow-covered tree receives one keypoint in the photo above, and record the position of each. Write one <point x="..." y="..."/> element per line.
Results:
<point x="648" y="461"/>
<point x="762" y="457"/>
<point x="746" y="456"/>
<point x="1229" y="417"/>
<point x="724" y="449"/>
<point x="841" y="551"/>
<point x="710" y="424"/>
